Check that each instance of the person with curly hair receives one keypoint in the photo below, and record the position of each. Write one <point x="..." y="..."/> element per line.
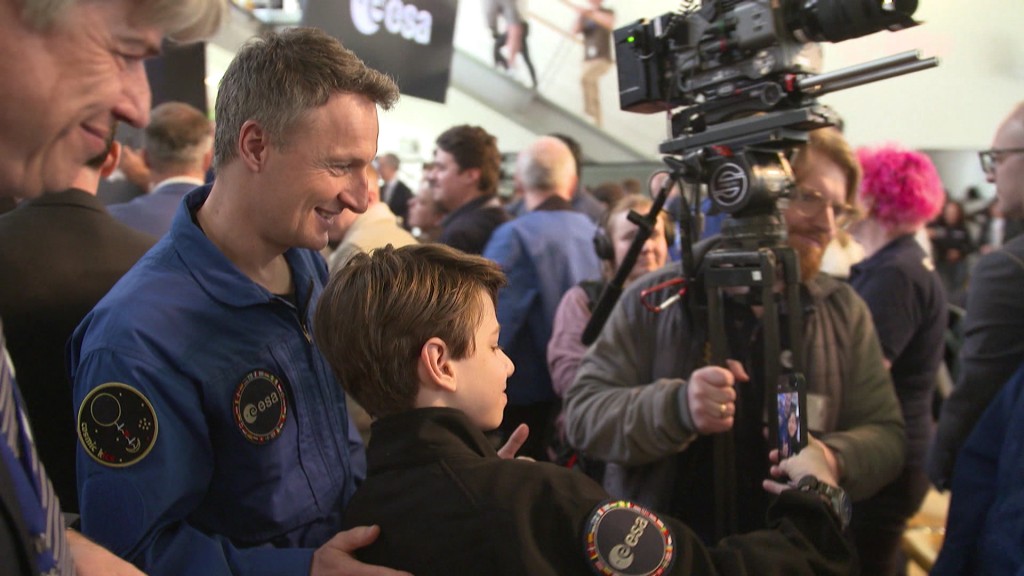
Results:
<point x="899" y="193"/>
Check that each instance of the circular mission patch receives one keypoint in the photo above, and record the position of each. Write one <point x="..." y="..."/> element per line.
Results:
<point x="117" y="425"/>
<point x="626" y="539"/>
<point x="260" y="406"/>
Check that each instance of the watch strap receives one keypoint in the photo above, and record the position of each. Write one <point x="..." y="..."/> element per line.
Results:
<point x="836" y="497"/>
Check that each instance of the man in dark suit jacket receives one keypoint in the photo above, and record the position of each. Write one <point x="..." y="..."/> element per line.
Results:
<point x="393" y="191"/>
<point x="66" y="252"/>
<point x="993" y="344"/>
<point x="464" y="179"/>
<point x="178" y="151"/>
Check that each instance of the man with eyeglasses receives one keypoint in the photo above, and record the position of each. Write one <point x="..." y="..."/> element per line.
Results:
<point x="993" y="345"/>
<point x="646" y="401"/>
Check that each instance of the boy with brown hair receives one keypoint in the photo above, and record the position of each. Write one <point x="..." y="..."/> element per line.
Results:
<point x="413" y="336"/>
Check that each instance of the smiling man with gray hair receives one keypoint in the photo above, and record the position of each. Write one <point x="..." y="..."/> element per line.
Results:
<point x="73" y="68"/>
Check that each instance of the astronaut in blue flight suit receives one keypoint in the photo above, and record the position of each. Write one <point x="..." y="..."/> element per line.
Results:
<point x="213" y="437"/>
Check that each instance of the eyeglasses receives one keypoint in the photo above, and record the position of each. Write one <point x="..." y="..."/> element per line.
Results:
<point x="808" y="202"/>
<point x="991" y="158"/>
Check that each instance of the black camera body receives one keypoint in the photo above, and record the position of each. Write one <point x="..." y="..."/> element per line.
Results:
<point x="674" y="61"/>
<point x="730" y="58"/>
<point x="740" y="79"/>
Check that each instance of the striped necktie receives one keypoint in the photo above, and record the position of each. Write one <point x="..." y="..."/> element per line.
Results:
<point x="40" y="508"/>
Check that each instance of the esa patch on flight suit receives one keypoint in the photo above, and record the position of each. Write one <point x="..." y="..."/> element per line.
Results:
<point x="625" y="539"/>
<point x="117" y="425"/>
<point x="260" y="406"/>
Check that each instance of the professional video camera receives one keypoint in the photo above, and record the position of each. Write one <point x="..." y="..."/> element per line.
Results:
<point x="739" y="80"/>
<point x="746" y="74"/>
<point x="735" y="56"/>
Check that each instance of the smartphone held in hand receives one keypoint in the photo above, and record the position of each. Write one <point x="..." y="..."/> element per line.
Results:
<point x="791" y="415"/>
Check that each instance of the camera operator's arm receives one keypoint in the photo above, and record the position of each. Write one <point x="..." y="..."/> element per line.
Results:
<point x="868" y="438"/>
<point x="804" y="535"/>
<point x="803" y="539"/>
<point x="712" y="397"/>
<point x="806" y="522"/>
<point x="616" y="409"/>
<point x="813" y="460"/>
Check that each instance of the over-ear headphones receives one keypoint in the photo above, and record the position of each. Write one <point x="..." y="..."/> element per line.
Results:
<point x="602" y="240"/>
<point x="603" y="244"/>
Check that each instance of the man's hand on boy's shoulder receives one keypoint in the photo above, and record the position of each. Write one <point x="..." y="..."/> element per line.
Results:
<point x="515" y="442"/>
<point x="335" y="558"/>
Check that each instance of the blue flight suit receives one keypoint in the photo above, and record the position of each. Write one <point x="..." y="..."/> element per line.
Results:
<point x="186" y="331"/>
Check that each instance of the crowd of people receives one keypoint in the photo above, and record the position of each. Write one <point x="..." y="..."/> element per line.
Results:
<point x="197" y="399"/>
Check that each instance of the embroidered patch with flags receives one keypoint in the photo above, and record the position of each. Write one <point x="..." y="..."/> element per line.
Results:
<point x="625" y="539"/>
<point x="117" y="425"/>
<point x="260" y="406"/>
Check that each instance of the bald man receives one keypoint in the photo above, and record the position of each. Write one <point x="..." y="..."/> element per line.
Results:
<point x="993" y="344"/>
<point x="544" y="253"/>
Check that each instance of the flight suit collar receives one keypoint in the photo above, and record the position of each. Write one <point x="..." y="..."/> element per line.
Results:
<point x="214" y="272"/>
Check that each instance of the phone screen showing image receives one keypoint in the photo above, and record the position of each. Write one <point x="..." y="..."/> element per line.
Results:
<point x="791" y="407"/>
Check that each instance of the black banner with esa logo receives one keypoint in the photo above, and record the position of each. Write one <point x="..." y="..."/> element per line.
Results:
<point x="409" y="39"/>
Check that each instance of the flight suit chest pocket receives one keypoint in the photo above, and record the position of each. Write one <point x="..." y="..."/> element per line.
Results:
<point x="260" y="488"/>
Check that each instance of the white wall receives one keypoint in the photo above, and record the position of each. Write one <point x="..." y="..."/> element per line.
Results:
<point x="955" y="106"/>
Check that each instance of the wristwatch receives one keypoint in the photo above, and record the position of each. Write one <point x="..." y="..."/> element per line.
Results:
<point x="835" y="496"/>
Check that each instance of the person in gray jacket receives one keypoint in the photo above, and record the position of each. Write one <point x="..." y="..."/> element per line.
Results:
<point x="646" y="401"/>
<point x="993" y="331"/>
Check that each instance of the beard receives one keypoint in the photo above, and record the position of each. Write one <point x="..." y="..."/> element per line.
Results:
<point x="810" y="256"/>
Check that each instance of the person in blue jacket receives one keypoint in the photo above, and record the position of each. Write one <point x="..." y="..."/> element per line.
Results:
<point x="213" y="438"/>
<point x="984" y="526"/>
<point x="544" y="252"/>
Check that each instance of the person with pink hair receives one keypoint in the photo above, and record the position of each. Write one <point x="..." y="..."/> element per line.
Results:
<point x="899" y="193"/>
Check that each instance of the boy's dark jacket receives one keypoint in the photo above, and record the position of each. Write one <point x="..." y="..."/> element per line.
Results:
<point x="447" y="504"/>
